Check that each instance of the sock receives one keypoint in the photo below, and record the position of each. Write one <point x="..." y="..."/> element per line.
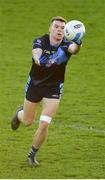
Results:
<point x="20" y="115"/>
<point x="33" y="152"/>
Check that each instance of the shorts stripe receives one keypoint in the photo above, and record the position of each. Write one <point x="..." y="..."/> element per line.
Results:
<point x="28" y="83"/>
<point x="61" y="89"/>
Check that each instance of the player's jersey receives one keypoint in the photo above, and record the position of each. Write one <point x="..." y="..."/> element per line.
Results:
<point x="42" y="75"/>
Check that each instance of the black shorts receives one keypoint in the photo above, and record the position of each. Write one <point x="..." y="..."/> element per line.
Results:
<point x="37" y="93"/>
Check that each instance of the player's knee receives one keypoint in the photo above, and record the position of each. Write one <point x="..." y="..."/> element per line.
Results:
<point x="45" y="121"/>
<point x="45" y="118"/>
<point x="43" y="126"/>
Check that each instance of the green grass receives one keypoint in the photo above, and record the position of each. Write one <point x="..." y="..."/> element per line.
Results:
<point x="75" y="147"/>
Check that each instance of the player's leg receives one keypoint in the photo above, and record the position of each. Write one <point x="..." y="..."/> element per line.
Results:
<point x="50" y="107"/>
<point x="25" y="114"/>
<point x="52" y="96"/>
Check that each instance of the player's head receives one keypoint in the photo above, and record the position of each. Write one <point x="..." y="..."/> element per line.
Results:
<point x="57" y="27"/>
<point x="58" y="18"/>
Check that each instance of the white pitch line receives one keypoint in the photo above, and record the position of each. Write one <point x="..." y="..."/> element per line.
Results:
<point x="74" y="126"/>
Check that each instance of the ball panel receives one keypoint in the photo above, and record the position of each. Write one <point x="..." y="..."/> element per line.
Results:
<point x="77" y="37"/>
<point x="74" y="30"/>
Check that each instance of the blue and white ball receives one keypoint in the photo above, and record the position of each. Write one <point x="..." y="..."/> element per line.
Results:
<point x="74" y="30"/>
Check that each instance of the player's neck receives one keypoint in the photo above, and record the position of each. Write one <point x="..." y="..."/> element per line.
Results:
<point x="54" y="41"/>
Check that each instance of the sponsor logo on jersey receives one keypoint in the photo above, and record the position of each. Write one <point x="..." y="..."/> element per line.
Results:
<point x="46" y="51"/>
<point x="38" y="42"/>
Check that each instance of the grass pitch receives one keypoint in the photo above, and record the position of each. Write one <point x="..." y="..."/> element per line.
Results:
<point x="75" y="147"/>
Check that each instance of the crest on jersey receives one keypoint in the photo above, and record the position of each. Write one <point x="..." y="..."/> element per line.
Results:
<point x="38" y="42"/>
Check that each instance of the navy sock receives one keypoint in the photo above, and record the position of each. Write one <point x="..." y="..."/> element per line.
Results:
<point x="33" y="152"/>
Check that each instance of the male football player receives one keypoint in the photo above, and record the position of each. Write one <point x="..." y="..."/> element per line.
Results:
<point x="50" y="55"/>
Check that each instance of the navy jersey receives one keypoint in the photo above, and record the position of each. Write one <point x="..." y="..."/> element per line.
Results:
<point x="42" y="75"/>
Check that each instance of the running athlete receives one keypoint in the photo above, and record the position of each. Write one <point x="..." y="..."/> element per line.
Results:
<point x="50" y="55"/>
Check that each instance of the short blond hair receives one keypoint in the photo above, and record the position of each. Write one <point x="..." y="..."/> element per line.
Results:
<point x="58" y="18"/>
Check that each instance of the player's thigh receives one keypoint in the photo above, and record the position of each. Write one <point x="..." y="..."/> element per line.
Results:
<point x="29" y="110"/>
<point x="50" y="106"/>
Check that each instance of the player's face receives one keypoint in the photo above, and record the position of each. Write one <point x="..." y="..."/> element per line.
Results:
<point x="57" y="30"/>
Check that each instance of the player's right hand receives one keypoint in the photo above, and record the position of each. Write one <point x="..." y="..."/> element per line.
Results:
<point x="43" y="59"/>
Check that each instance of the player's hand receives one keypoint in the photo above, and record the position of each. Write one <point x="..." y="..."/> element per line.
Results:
<point x="43" y="59"/>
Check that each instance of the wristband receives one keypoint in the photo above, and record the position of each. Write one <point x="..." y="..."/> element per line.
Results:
<point x="78" y="42"/>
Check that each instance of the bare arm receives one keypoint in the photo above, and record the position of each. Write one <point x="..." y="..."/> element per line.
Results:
<point x="36" y="53"/>
<point x="74" y="48"/>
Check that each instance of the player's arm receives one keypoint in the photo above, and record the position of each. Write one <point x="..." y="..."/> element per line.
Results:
<point x="36" y="54"/>
<point x="40" y="58"/>
<point x="60" y="56"/>
<point x="74" y="48"/>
